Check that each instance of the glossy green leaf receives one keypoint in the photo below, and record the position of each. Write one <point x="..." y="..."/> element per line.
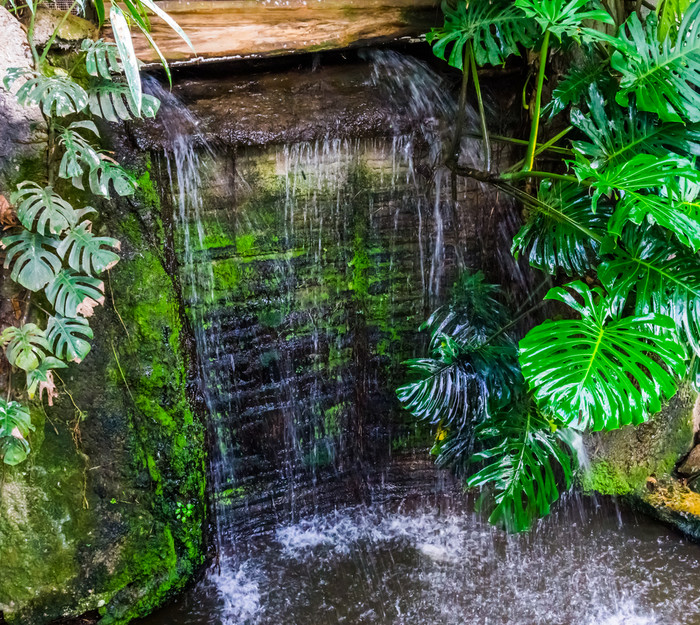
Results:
<point x="660" y="277"/>
<point x="32" y="258"/>
<point x="122" y="37"/>
<point x="101" y="58"/>
<point x="664" y="77"/>
<point x="601" y="371"/>
<point x="86" y="252"/>
<point x="25" y="347"/>
<point x="68" y="337"/>
<point x="42" y="209"/>
<point x="559" y="236"/>
<point x="56" y="95"/>
<point x="113" y="102"/>
<point x="69" y="289"/>
<point x="567" y="17"/>
<point x="523" y="457"/>
<point x="496" y="30"/>
<point x="15" y="425"/>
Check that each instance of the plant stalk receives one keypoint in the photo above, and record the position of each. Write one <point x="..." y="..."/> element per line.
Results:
<point x="459" y="123"/>
<point x="482" y="113"/>
<point x="534" y="128"/>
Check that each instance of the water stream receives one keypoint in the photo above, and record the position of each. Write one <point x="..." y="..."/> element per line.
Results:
<point x="307" y="267"/>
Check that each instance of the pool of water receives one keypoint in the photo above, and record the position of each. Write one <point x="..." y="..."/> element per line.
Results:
<point x="430" y="559"/>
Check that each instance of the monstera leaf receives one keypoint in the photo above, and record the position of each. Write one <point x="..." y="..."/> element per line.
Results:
<point x="78" y="155"/>
<point x="639" y="181"/>
<point x="110" y="172"/>
<point x="68" y="337"/>
<point x="68" y="290"/>
<point x="42" y="378"/>
<point x="56" y="95"/>
<point x="101" y="58"/>
<point x="662" y="278"/>
<point x="33" y="263"/>
<point x="25" y="346"/>
<point x="524" y="454"/>
<point x="575" y="86"/>
<point x="664" y="77"/>
<point x="565" y="234"/>
<point x="616" y="134"/>
<point x="42" y="209"/>
<point x="114" y="101"/>
<point x="15" y="425"/>
<point x="85" y="252"/>
<point x="566" y="17"/>
<point x="495" y="31"/>
<point x="601" y="371"/>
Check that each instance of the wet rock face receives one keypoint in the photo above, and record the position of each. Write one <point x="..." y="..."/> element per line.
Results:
<point x="22" y="131"/>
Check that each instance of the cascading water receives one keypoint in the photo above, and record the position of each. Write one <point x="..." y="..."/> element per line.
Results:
<point x="306" y="268"/>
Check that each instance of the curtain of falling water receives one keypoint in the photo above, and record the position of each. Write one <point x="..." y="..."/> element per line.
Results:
<point x="326" y="266"/>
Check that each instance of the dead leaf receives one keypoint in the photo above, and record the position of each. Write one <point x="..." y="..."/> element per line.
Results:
<point x="86" y="308"/>
<point x="16" y="307"/>
<point x="50" y="387"/>
<point x="8" y="217"/>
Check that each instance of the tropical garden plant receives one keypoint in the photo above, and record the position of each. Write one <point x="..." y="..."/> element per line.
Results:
<point x="50" y="248"/>
<point x="615" y="221"/>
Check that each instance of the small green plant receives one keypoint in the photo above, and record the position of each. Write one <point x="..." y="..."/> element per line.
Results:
<point x="52" y="252"/>
<point x="619" y="213"/>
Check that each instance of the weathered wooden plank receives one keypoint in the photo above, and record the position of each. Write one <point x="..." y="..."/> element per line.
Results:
<point x="246" y="28"/>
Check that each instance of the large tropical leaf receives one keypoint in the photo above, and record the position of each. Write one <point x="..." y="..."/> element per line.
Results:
<point x="85" y="252"/>
<point x="109" y="172"/>
<point x="101" y="58"/>
<point x="68" y="290"/>
<point x="15" y="425"/>
<point x="663" y="77"/>
<point x="79" y="155"/>
<point x="616" y="134"/>
<point x="524" y="456"/>
<point x="565" y="234"/>
<point x="114" y="101"/>
<point x="670" y="14"/>
<point x="68" y="337"/>
<point x="566" y="17"/>
<point x="25" y="347"/>
<point x="575" y="85"/>
<point x="648" y="186"/>
<point x="34" y="264"/>
<point x="56" y="95"/>
<point x="601" y="371"/>
<point x="122" y="36"/>
<point x="662" y="278"/>
<point x="42" y="209"/>
<point x="495" y="31"/>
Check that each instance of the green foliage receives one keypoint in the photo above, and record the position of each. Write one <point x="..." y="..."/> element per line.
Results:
<point x="557" y="232"/>
<point x="524" y="454"/>
<point x="56" y="95"/>
<point x="68" y="337"/>
<point x="114" y="101"/>
<point x="101" y="58"/>
<point x="15" y="425"/>
<point x="25" y="347"/>
<point x="32" y="258"/>
<point x="663" y="77"/>
<point x="566" y="17"/>
<point x="85" y="252"/>
<point x="69" y="290"/>
<point x="495" y="31"/>
<point x="603" y="370"/>
<point x="43" y="210"/>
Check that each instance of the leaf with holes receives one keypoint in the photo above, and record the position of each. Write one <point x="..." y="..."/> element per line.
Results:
<point x="34" y="264"/>
<point x="110" y="172"/>
<point x="86" y="252"/>
<point x="661" y="277"/>
<point x="69" y="289"/>
<point x="15" y="425"/>
<point x="42" y="209"/>
<point x="101" y="58"/>
<point x="495" y="30"/>
<point x="601" y="371"/>
<point x="68" y="337"/>
<point x="56" y="95"/>
<point x="78" y="155"/>
<point x="523" y="456"/>
<point x="563" y="233"/>
<point x="25" y="347"/>
<point x="664" y="77"/>
<point x="113" y="101"/>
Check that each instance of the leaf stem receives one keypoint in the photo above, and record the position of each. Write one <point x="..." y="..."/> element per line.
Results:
<point x="459" y="123"/>
<point x="534" y="128"/>
<point x="482" y="113"/>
